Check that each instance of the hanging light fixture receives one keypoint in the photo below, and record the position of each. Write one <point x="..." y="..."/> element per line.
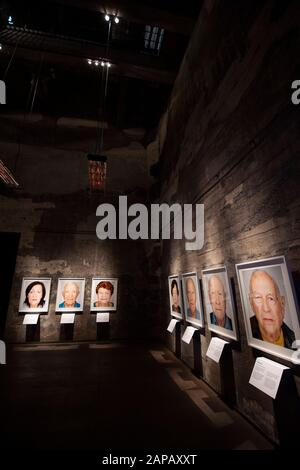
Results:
<point x="6" y="176"/>
<point x="97" y="171"/>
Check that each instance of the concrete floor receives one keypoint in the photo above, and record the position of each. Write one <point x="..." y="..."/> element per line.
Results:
<point x="112" y="396"/>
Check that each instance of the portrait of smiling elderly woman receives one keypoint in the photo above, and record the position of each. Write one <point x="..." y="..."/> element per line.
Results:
<point x="104" y="292"/>
<point x="70" y="293"/>
<point x="35" y="295"/>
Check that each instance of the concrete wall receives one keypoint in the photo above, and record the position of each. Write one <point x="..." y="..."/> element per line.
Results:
<point x="55" y="215"/>
<point x="233" y="144"/>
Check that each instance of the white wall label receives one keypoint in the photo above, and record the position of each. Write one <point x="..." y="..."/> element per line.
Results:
<point x="2" y="92"/>
<point x="215" y="349"/>
<point x="266" y="376"/>
<point x="188" y="334"/>
<point x="31" y="318"/>
<point x="172" y="325"/>
<point x="102" y="317"/>
<point x="67" y="318"/>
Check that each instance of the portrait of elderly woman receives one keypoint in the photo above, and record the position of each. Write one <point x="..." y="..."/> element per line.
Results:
<point x="70" y="293"/>
<point x="175" y="296"/>
<point x="35" y="295"/>
<point x="104" y="294"/>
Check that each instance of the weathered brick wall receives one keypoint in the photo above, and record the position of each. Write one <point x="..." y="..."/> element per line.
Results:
<point x="58" y="239"/>
<point x="55" y="215"/>
<point x="233" y="144"/>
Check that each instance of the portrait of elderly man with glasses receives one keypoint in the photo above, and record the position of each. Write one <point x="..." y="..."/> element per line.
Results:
<point x="217" y="299"/>
<point x="268" y="306"/>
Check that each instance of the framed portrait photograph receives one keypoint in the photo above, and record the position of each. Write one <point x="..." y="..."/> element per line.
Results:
<point x="104" y="294"/>
<point x="192" y="299"/>
<point x="270" y="307"/>
<point x="218" y="302"/>
<point x="175" y="296"/>
<point x="70" y="294"/>
<point x="35" y="293"/>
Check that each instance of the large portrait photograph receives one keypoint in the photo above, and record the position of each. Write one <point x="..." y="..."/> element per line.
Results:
<point x="70" y="294"/>
<point x="218" y="302"/>
<point x="270" y="307"/>
<point x="35" y="295"/>
<point x="104" y="294"/>
<point x="175" y="296"/>
<point x="192" y="299"/>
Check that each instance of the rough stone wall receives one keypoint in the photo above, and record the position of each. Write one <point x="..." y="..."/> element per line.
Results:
<point x="55" y="215"/>
<point x="233" y="144"/>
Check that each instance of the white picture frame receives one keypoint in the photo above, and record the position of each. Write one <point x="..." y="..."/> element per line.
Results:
<point x="174" y="283"/>
<point x="108" y="293"/>
<point x="218" y="302"/>
<point x="35" y="290"/>
<point x="70" y="289"/>
<point x="192" y="301"/>
<point x="269" y="305"/>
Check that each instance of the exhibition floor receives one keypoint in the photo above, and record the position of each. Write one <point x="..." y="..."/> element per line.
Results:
<point x="112" y="396"/>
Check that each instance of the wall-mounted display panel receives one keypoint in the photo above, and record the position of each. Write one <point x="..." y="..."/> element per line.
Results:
<point x="70" y="294"/>
<point x="175" y="296"/>
<point x="104" y="295"/>
<point x="192" y="299"/>
<point x="35" y="293"/>
<point x="269" y="306"/>
<point x="218" y="302"/>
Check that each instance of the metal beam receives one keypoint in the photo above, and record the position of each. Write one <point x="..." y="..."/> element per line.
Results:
<point x="121" y="67"/>
<point x="136" y="12"/>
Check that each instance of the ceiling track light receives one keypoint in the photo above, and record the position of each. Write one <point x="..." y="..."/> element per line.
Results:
<point x="96" y="62"/>
<point x="0" y="47"/>
<point x="108" y="18"/>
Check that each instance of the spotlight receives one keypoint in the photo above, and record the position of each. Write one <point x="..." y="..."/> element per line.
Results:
<point x="0" y="47"/>
<point x="107" y="18"/>
<point x="108" y="64"/>
<point x="89" y="62"/>
<point x="102" y="63"/>
<point x="96" y="63"/>
<point x="117" y="20"/>
<point x="10" y="20"/>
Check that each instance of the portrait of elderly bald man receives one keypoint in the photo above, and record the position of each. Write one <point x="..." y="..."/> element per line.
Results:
<point x="269" y="307"/>
<point x="70" y="293"/>
<point x="217" y="299"/>
<point x="191" y="295"/>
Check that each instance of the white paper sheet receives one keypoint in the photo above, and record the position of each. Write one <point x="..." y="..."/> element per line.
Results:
<point x="188" y="334"/>
<point x="67" y="318"/>
<point x="215" y="349"/>
<point x="172" y="325"/>
<point x="102" y="317"/>
<point x="31" y="318"/>
<point x="266" y="376"/>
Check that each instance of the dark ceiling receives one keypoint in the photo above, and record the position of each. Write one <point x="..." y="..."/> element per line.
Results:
<point x="45" y="52"/>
